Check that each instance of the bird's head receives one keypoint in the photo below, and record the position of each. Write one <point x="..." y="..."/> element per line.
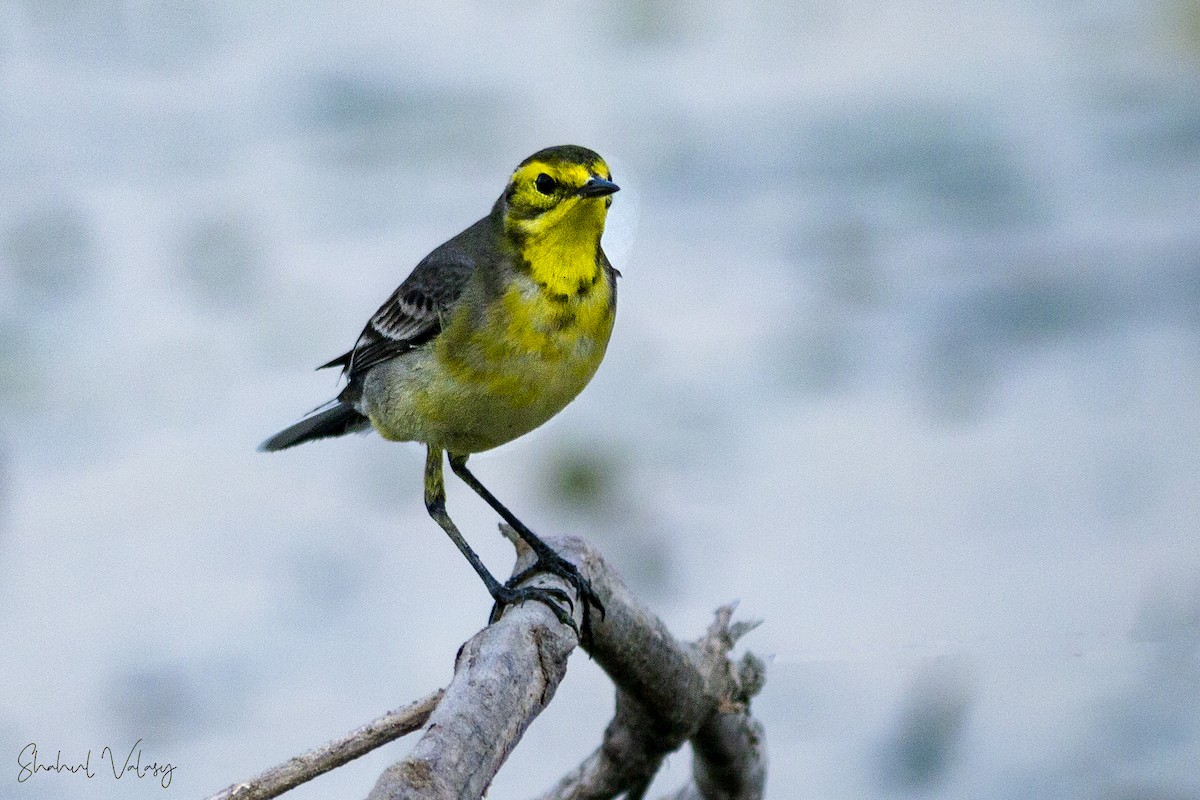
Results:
<point x="559" y="186"/>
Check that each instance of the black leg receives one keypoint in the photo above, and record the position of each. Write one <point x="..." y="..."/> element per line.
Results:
<point x="547" y="559"/>
<point x="435" y="502"/>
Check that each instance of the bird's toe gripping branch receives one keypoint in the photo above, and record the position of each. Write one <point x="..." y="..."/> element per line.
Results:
<point x="551" y="562"/>
<point x="556" y="599"/>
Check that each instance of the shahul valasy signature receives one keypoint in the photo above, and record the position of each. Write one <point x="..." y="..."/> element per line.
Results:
<point x="29" y="765"/>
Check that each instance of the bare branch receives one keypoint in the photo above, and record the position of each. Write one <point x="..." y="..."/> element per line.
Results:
<point x="728" y="761"/>
<point x="503" y="677"/>
<point x="358" y="742"/>
<point x="668" y="692"/>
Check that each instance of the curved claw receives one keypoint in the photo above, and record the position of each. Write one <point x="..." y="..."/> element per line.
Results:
<point x="509" y="595"/>
<point x="557" y="565"/>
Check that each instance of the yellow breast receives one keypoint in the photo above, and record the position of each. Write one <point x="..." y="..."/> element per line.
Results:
<point x="532" y="353"/>
<point x="505" y="363"/>
<point x="538" y="346"/>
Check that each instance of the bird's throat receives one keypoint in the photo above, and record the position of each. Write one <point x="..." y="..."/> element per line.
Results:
<point x="562" y="255"/>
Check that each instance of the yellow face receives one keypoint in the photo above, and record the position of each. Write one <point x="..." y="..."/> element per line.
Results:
<point x="559" y="185"/>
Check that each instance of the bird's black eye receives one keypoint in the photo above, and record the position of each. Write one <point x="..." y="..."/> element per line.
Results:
<point x="545" y="184"/>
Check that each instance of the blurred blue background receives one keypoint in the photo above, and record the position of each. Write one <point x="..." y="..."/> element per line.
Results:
<point x="907" y="359"/>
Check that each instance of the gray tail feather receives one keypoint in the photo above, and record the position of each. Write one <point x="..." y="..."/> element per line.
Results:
<point x="337" y="421"/>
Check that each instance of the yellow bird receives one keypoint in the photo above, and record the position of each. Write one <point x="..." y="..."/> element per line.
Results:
<point x="491" y="335"/>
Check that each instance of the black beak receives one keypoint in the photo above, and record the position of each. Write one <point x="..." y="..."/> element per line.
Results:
<point x="597" y="187"/>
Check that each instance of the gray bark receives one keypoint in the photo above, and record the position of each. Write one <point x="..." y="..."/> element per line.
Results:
<point x="668" y="693"/>
<point x="360" y="741"/>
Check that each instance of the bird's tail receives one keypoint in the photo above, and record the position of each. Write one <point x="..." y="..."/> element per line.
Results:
<point x="336" y="421"/>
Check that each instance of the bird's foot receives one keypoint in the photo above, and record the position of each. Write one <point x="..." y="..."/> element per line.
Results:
<point x="551" y="562"/>
<point x="559" y="601"/>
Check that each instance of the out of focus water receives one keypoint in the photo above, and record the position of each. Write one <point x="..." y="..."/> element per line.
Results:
<point x="908" y="360"/>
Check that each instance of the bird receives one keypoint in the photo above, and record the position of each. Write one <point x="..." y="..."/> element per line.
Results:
<point x="491" y="334"/>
